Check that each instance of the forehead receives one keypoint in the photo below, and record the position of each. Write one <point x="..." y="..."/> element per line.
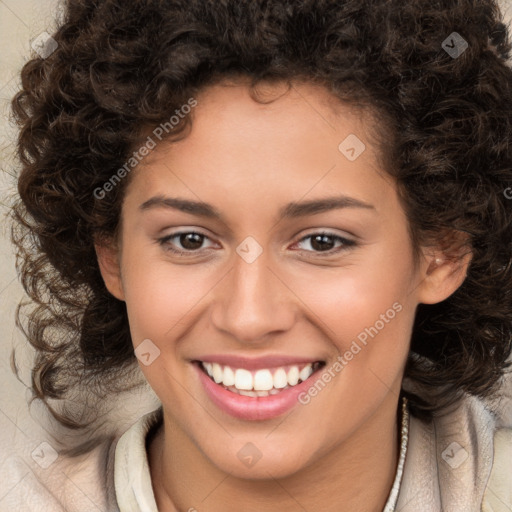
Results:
<point x="291" y="144"/>
<point x="303" y="110"/>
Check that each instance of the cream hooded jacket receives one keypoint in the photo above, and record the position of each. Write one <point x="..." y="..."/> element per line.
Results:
<point x="461" y="462"/>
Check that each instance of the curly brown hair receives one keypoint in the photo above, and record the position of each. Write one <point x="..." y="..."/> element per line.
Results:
<point x="122" y="68"/>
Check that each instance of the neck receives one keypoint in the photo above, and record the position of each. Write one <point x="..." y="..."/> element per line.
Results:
<point x="356" y="475"/>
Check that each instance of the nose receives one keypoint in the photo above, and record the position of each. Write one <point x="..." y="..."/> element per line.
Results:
<point x="253" y="303"/>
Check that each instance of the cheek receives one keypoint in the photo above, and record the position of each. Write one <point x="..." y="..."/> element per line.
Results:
<point x="346" y="301"/>
<point x="369" y="327"/>
<point x="159" y="296"/>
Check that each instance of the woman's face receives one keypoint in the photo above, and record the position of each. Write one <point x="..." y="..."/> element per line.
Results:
<point x="301" y="260"/>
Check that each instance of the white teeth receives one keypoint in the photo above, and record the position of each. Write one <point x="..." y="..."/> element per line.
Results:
<point x="243" y="379"/>
<point x="229" y="377"/>
<point x="263" y="380"/>
<point x="247" y="393"/>
<point x="305" y="373"/>
<point x="217" y="373"/>
<point x="272" y="391"/>
<point x="280" y="379"/>
<point x="293" y="375"/>
<point x="260" y="383"/>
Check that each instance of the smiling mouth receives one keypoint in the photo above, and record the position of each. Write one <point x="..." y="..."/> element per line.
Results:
<point x="262" y="382"/>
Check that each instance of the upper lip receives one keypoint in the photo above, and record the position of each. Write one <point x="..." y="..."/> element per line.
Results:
<point x="256" y="363"/>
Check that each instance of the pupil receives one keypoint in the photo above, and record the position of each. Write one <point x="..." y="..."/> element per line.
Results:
<point x="323" y="241"/>
<point x="187" y="240"/>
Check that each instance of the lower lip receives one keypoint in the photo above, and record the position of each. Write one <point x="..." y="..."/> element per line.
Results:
<point x="252" y="408"/>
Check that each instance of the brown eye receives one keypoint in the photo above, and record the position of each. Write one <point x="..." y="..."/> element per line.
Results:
<point x="191" y="241"/>
<point x="186" y="242"/>
<point x="322" y="242"/>
<point x="326" y="243"/>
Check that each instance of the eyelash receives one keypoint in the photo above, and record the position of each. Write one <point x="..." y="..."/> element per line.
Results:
<point x="346" y="243"/>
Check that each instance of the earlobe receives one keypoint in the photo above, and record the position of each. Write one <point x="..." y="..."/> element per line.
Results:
<point x="108" y="261"/>
<point x="442" y="276"/>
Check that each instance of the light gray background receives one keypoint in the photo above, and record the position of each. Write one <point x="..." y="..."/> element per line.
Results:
<point x="21" y="21"/>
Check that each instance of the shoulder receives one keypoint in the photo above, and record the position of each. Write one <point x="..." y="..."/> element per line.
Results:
<point x="498" y="493"/>
<point x="69" y="484"/>
<point x="459" y="461"/>
<point x="23" y="490"/>
<point x="92" y="481"/>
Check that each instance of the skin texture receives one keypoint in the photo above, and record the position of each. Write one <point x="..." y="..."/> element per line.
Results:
<point x="249" y="160"/>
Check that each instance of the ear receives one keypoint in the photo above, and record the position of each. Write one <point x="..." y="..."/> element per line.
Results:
<point x="108" y="261"/>
<point x="443" y="272"/>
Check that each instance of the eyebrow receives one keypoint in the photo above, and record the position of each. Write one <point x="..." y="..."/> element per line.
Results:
<point x="290" y="211"/>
